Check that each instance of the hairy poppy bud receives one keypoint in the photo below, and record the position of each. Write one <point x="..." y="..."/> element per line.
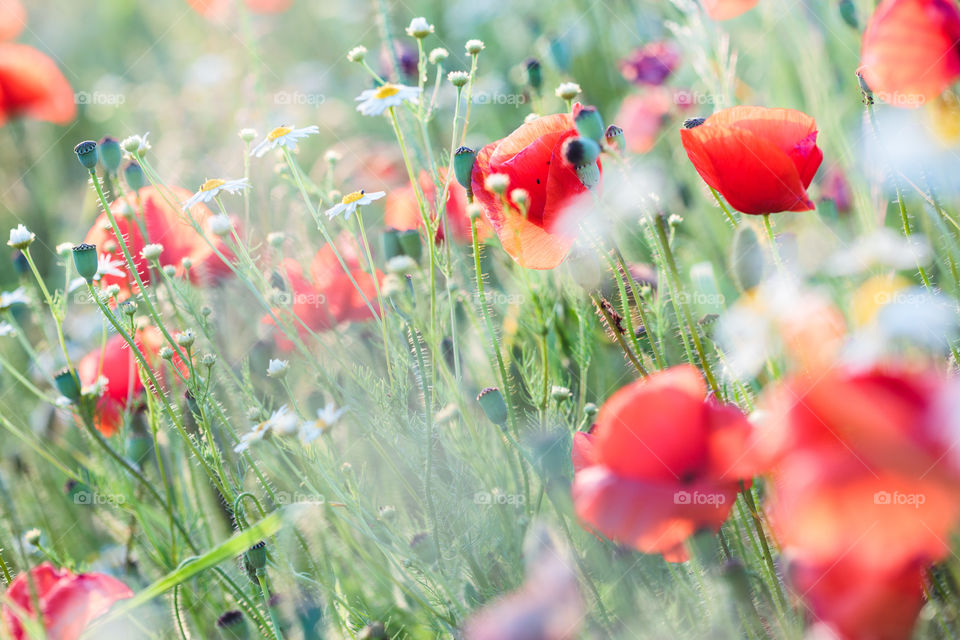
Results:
<point x="233" y="626"/>
<point x="85" y="260"/>
<point x="848" y="11"/>
<point x="491" y="401"/>
<point x="133" y="174"/>
<point x="111" y="155"/>
<point x="463" y="159"/>
<point x="589" y="124"/>
<point x="68" y="385"/>
<point x="747" y="261"/>
<point x="534" y="74"/>
<point x="87" y="154"/>
<point x="256" y="556"/>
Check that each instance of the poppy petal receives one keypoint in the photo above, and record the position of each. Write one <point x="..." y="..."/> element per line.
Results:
<point x="32" y="86"/>
<point x="727" y="9"/>
<point x="13" y="18"/>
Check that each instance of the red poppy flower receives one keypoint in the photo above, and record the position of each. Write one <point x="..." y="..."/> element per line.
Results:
<point x="909" y="53"/>
<point x="13" y="18"/>
<point x="328" y="297"/>
<point x="68" y="602"/>
<point x="403" y="212"/>
<point x="532" y="158"/>
<point x="651" y="64"/>
<point x="762" y="160"/>
<point x="642" y="117"/>
<point x="118" y="364"/>
<point x="662" y="463"/>
<point x="219" y="8"/>
<point x="31" y="86"/>
<point x="164" y="224"/>
<point x="727" y="9"/>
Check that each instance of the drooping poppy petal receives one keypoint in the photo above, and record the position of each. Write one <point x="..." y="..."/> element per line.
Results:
<point x="910" y="50"/>
<point x="727" y="9"/>
<point x="13" y="18"/>
<point x="31" y="86"/>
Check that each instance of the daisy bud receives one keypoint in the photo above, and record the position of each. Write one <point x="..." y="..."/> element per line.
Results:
<point x="458" y="78"/>
<point x="248" y="135"/>
<point x="560" y="393"/>
<point x="568" y="91"/>
<point x="693" y="123"/>
<point x="123" y="209"/>
<point x="278" y="369"/>
<point x="374" y="631"/>
<point x="474" y="47"/>
<point x="220" y="225"/>
<point x="438" y="55"/>
<point x="134" y="177"/>
<point x="208" y="360"/>
<point x="185" y="338"/>
<point x="169" y="270"/>
<point x="401" y="265"/>
<point x="112" y="291"/>
<point x="747" y="261"/>
<point x="497" y="183"/>
<point x="391" y="243"/>
<point x="534" y="74"/>
<point x="21" y="237"/>
<point x="256" y="556"/>
<point x="580" y="152"/>
<point x="136" y="145"/>
<point x="590" y="410"/>
<point x="232" y="625"/>
<point x="474" y="211"/>
<point x="491" y="401"/>
<point x="332" y="156"/>
<point x="151" y="252"/>
<point x="463" y="160"/>
<point x="520" y="196"/>
<point x="392" y="285"/>
<point x="410" y="243"/>
<point x="615" y="139"/>
<point x="186" y="263"/>
<point x="276" y="238"/>
<point x="128" y="309"/>
<point x="85" y="260"/>
<point x="205" y="311"/>
<point x="64" y="248"/>
<point x="387" y="512"/>
<point x="67" y="384"/>
<point x="111" y="155"/>
<point x="589" y="124"/>
<point x="419" y="28"/>
<point x="166" y="353"/>
<point x="357" y="54"/>
<point x="87" y="154"/>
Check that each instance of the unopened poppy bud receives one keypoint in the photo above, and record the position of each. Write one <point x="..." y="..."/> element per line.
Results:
<point x="463" y="161"/>
<point x="568" y="91"/>
<point x="133" y="175"/>
<point x="615" y="139"/>
<point x="534" y="74"/>
<point x="151" y="252"/>
<point x="438" y="55"/>
<point x="67" y="384"/>
<point x="357" y="54"/>
<point x="257" y="556"/>
<point x="166" y="353"/>
<point x="497" y="183"/>
<point x="474" y="47"/>
<point x="138" y="447"/>
<point x="589" y="175"/>
<point x="419" y="28"/>
<point x="410" y="243"/>
<point x="458" y="78"/>
<point x="85" y="260"/>
<point x="580" y="151"/>
<point x="693" y="123"/>
<point x="111" y="155"/>
<point x="589" y="124"/>
<point x="747" y="260"/>
<point x="87" y="154"/>
<point x="848" y="11"/>
<point x="373" y="631"/>
<point x="186" y="338"/>
<point x="233" y="626"/>
<point x="491" y="401"/>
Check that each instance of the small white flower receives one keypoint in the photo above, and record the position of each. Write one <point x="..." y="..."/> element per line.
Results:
<point x="213" y="188"/>
<point x="107" y="266"/>
<point x="136" y="145"/>
<point x="374" y="102"/>
<point x="220" y="225"/>
<point x="151" y="252"/>
<point x="285" y="136"/>
<point x="281" y="421"/>
<point x="326" y="418"/>
<point x="568" y="90"/>
<point x="357" y="54"/>
<point x="10" y="298"/>
<point x="351" y="201"/>
<point x="21" y="237"/>
<point x="419" y="28"/>
<point x="438" y="55"/>
<point x="473" y="47"/>
<point x="6" y="329"/>
<point x="277" y="368"/>
<point x="497" y="182"/>
<point x="247" y="134"/>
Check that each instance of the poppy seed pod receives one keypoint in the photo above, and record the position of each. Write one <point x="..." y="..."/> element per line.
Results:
<point x="111" y="155"/>
<point x="589" y="124"/>
<point x="257" y="556"/>
<point x="463" y="160"/>
<point x="87" y="154"/>
<point x="693" y="123"/>
<point x="534" y="74"/>
<point x="68" y="385"/>
<point x="85" y="260"/>
<point x="615" y="138"/>
<point x="580" y="151"/>
<point x="134" y="177"/>
<point x="493" y="405"/>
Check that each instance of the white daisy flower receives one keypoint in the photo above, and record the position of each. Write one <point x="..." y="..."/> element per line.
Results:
<point x="10" y="298"/>
<point x="136" y="145"/>
<point x="326" y="418"/>
<point x="374" y="102"/>
<point x="285" y="136"/>
<point x="351" y="201"/>
<point x="107" y="266"/>
<point x="214" y="187"/>
<point x="21" y="237"/>
<point x="281" y="421"/>
<point x="6" y="329"/>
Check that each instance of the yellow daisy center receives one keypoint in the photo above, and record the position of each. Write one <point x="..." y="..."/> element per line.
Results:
<point x="278" y="132"/>
<point x="352" y="197"/>
<point x="386" y="91"/>
<point x="212" y="184"/>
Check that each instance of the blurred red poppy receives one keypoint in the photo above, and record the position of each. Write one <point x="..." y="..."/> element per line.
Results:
<point x="328" y="297"/>
<point x="13" y="18"/>
<point x="68" y="602"/>
<point x="118" y="364"/>
<point x="727" y="9"/>
<point x="403" y="212"/>
<point x="219" y="8"/>
<point x="532" y="158"/>
<point x="761" y="160"/>
<point x="909" y="53"/>
<point x="651" y="64"/>
<point x="642" y="117"/>
<point x="31" y="86"/>
<point x="165" y="224"/>
<point x="662" y="463"/>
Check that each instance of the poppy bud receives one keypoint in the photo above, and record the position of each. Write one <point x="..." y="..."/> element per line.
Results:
<point x="232" y="626"/>
<point x="68" y="385"/>
<point x="85" y="260"/>
<point x="491" y="401"/>
<point x="848" y="11"/>
<point x="111" y="155"/>
<point x="463" y="159"/>
<point x="87" y="154"/>
<point x="256" y="556"/>
<point x="391" y="244"/>
<point x="615" y="139"/>
<point x="133" y="174"/>
<point x="410" y="243"/>
<point x="589" y="124"/>
<point x="580" y="151"/>
<point x="139" y="447"/>
<point x="534" y="74"/>
<point x="747" y="261"/>
<point x="693" y="123"/>
<point x="422" y="545"/>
